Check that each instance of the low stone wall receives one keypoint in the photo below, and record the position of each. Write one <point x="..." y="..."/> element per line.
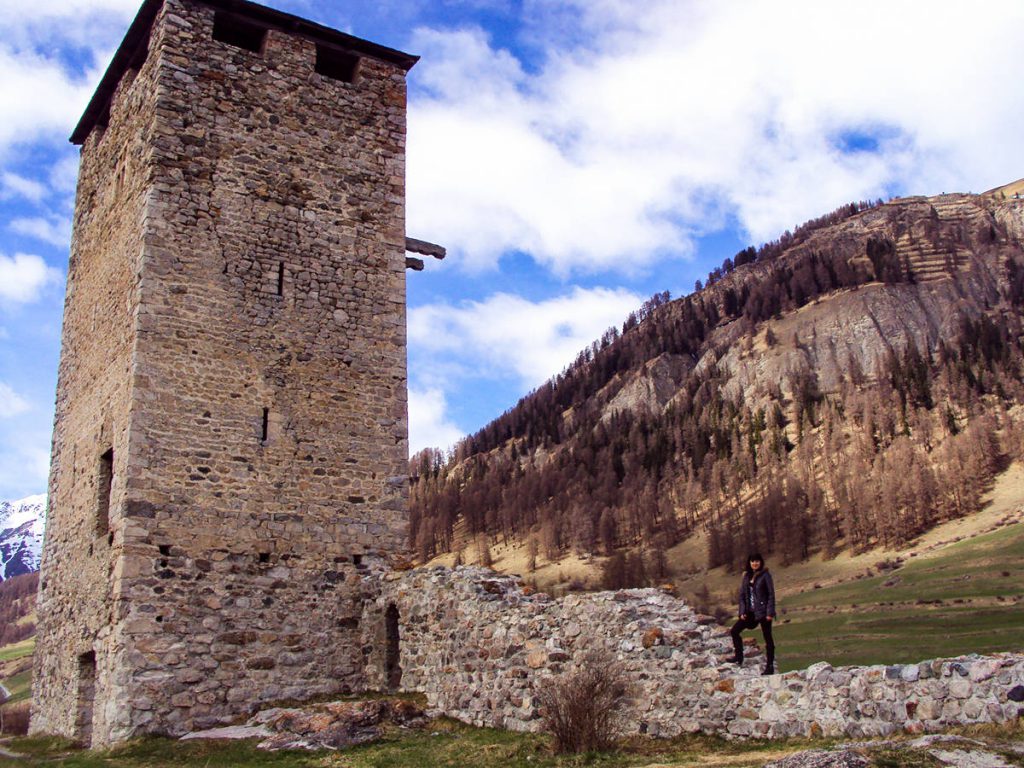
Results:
<point x="477" y="645"/>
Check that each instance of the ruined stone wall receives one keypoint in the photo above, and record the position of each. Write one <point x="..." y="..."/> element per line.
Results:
<point x="81" y="567"/>
<point x="264" y="393"/>
<point x="477" y="646"/>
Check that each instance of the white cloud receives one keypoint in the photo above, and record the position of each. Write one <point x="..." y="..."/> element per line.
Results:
<point x="84" y="22"/>
<point x="39" y="99"/>
<point x="652" y="120"/>
<point x="13" y="185"/>
<point x="11" y="403"/>
<point x="52" y="54"/>
<point x="54" y="230"/>
<point x="24" y="466"/>
<point x="509" y="335"/>
<point x="63" y="175"/>
<point x="429" y="425"/>
<point x="18" y="12"/>
<point x="23" y="276"/>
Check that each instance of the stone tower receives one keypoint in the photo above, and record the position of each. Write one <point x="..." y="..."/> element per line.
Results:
<point x="231" y="433"/>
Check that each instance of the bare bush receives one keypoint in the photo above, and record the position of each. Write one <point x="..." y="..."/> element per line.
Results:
<point x="581" y="708"/>
<point x="14" y="719"/>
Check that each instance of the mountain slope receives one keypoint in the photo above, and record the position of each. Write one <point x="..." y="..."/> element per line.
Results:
<point x="21" y="535"/>
<point x="849" y="385"/>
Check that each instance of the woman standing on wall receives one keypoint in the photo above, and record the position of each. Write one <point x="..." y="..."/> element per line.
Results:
<point x="757" y="606"/>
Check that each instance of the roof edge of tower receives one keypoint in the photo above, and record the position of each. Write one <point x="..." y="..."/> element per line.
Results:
<point x="139" y="31"/>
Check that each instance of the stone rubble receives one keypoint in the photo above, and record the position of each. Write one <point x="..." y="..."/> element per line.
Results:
<point x="326" y="726"/>
<point x="970" y="759"/>
<point x="822" y="758"/>
<point x="949" y="750"/>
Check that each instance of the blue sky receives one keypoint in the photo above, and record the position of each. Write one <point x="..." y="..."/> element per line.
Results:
<point x="575" y="156"/>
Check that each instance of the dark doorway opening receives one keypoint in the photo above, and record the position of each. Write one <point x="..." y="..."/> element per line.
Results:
<point x="86" y="697"/>
<point x="392" y="659"/>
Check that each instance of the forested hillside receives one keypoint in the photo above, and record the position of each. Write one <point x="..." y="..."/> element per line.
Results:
<point x="17" y="606"/>
<point x="850" y="385"/>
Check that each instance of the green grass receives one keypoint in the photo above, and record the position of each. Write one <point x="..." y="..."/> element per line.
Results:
<point x="895" y="758"/>
<point x="444" y="744"/>
<point x="965" y="600"/>
<point x="17" y="650"/>
<point x="448" y="744"/>
<point x="19" y="686"/>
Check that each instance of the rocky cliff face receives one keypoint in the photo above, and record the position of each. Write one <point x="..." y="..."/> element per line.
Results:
<point x="953" y="251"/>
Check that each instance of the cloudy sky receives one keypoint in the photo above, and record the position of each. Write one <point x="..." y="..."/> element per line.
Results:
<point x="575" y="156"/>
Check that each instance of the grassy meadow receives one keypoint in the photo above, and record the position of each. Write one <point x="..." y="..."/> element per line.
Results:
<point x="16" y="651"/>
<point x="15" y="670"/>
<point x="966" y="598"/>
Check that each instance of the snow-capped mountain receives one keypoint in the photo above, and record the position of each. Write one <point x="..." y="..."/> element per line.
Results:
<point x="21" y="535"/>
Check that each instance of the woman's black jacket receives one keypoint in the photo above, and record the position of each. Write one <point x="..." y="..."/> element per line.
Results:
<point x="757" y="598"/>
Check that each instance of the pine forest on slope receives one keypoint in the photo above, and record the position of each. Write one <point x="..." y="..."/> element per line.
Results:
<point x="848" y="386"/>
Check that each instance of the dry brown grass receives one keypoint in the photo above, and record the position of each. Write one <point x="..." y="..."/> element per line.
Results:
<point x="549" y="576"/>
<point x="1004" y="501"/>
<point x="688" y="559"/>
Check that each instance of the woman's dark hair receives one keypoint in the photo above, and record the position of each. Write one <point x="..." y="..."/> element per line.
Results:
<point x="751" y="557"/>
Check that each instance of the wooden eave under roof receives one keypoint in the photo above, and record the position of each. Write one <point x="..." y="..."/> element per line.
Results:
<point x="137" y="38"/>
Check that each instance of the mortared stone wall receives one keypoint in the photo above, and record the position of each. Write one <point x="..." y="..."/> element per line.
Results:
<point x="231" y="432"/>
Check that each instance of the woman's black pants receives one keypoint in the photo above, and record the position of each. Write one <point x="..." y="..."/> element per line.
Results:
<point x="751" y="623"/>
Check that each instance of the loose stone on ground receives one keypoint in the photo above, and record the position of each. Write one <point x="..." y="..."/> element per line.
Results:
<point x="325" y="726"/>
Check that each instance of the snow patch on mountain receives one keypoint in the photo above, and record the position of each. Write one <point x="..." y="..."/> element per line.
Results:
<point x="21" y="535"/>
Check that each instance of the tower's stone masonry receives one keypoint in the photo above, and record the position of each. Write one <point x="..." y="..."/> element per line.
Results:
<point x="231" y="430"/>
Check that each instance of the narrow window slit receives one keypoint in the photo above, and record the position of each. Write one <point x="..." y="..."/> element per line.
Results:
<point x="392" y="658"/>
<point x="266" y="424"/>
<point x="280" y="279"/>
<point x="105" y="483"/>
<point x="336" y="64"/>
